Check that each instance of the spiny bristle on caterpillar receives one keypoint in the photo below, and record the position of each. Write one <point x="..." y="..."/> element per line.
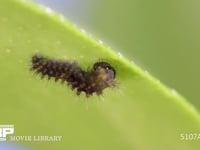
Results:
<point x="95" y="80"/>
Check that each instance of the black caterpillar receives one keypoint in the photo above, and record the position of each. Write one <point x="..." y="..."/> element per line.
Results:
<point x="101" y="76"/>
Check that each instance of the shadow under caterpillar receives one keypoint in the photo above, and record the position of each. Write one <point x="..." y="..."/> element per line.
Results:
<point x="95" y="80"/>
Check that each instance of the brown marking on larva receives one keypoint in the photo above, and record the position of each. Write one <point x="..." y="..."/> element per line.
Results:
<point x="101" y="76"/>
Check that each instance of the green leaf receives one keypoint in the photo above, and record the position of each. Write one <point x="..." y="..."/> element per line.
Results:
<point x="140" y="113"/>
